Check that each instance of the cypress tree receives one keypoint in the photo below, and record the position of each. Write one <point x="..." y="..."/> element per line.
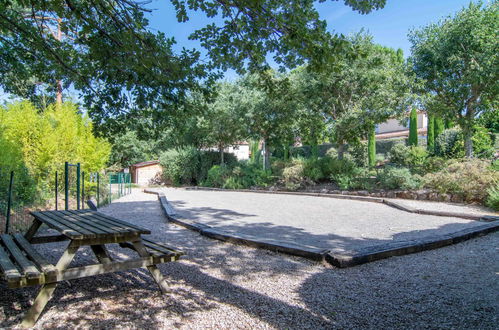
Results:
<point x="371" y="147"/>
<point x="431" y="133"/>
<point x="413" y="128"/>
<point x="439" y="126"/>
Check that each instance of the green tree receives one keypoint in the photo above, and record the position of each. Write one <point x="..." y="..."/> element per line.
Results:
<point x="430" y="144"/>
<point x="371" y="147"/>
<point x="457" y="59"/>
<point x="225" y="127"/>
<point x="413" y="128"/>
<point x="439" y="126"/>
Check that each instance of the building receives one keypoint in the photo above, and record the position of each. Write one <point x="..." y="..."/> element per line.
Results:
<point x="393" y="128"/>
<point x="144" y="173"/>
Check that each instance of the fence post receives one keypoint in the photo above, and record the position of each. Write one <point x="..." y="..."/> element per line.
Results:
<point x="83" y="190"/>
<point x="98" y="188"/>
<point x="9" y="201"/>
<point x="110" y="190"/>
<point x="78" y="175"/>
<point x="66" y="186"/>
<point x="56" y="191"/>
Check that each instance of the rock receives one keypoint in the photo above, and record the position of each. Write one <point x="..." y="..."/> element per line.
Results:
<point x="444" y="197"/>
<point x="422" y="195"/>
<point x="391" y="194"/>
<point x="455" y="198"/>
<point x="363" y="193"/>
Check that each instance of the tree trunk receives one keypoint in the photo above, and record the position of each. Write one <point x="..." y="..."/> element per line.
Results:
<point x="341" y="150"/>
<point x="468" y="142"/>
<point x="371" y="147"/>
<point x="221" y="150"/>
<point x="266" y="156"/>
<point x="58" y="99"/>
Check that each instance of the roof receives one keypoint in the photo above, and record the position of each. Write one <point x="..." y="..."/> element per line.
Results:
<point x="405" y="132"/>
<point x="148" y="163"/>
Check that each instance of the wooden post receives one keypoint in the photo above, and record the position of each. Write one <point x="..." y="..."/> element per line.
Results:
<point x="98" y="189"/>
<point x="56" y="191"/>
<point x="83" y="190"/>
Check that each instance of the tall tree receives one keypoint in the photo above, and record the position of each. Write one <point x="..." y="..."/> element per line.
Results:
<point x="458" y="59"/>
<point x="413" y="128"/>
<point x="371" y="147"/>
<point x="430" y="143"/>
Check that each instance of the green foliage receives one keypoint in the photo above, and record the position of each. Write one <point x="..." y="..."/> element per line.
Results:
<point x="180" y="166"/>
<point x="294" y="175"/>
<point x="471" y="179"/>
<point x="35" y="144"/>
<point x="413" y="128"/>
<point x="128" y="149"/>
<point x="490" y="120"/>
<point x="430" y="143"/>
<point x="450" y="143"/>
<point x="410" y="156"/>
<point x="217" y="175"/>
<point x="493" y="198"/>
<point x="358" y="152"/>
<point x="439" y="126"/>
<point x="371" y="148"/>
<point x="398" y="178"/>
<point x="456" y="59"/>
<point x="189" y="165"/>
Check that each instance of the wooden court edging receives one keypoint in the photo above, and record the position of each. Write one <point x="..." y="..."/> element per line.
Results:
<point x="353" y="258"/>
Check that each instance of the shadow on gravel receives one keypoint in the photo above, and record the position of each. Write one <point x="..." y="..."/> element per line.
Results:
<point x="209" y="275"/>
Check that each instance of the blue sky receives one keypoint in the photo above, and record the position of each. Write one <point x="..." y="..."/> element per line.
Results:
<point x="389" y="26"/>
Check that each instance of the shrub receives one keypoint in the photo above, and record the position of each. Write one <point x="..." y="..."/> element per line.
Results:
<point x="358" y="151"/>
<point x="293" y="175"/>
<point x="470" y="179"/>
<point x="207" y="159"/>
<point x="493" y="198"/>
<point x="398" y="154"/>
<point x="217" y="175"/>
<point x="316" y="169"/>
<point x="398" y="178"/>
<point x="450" y="143"/>
<point x="180" y="166"/>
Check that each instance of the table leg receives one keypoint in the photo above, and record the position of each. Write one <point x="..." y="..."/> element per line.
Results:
<point x="47" y="290"/>
<point x="32" y="229"/>
<point x="155" y="273"/>
<point x="101" y="253"/>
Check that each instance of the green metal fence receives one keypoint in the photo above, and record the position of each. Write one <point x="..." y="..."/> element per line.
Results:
<point x="70" y="191"/>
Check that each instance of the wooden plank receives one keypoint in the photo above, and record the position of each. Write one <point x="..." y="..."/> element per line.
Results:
<point x="91" y="270"/>
<point x="124" y="223"/>
<point x="27" y="267"/>
<point x="35" y="225"/>
<point x="115" y="222"/>
<point x="36" y="257"/>
<point x="90" y="225"/>
<point x="9" y="270"/>
<point x="163" y="249"/>
<point x="63" y="229"/>
<point x="82" y="231"/>
<point x="48" y="239"/>
<point x="104" y="223"/>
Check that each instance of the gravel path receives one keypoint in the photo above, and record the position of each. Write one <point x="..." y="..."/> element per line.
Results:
<point x="225" y="286"/>
<point x="447" y="207"/>
<point x="340" y="225"/>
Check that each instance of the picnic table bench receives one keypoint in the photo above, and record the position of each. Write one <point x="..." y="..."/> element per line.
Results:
<point x="22" y="265"/>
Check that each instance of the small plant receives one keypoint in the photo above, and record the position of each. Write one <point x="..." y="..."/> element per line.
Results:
<point x="217" y="175"/>
<point x="399" y="178"/>
<point x="493" y="198"/>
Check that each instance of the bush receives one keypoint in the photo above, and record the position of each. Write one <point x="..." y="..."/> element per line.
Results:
<point x="293" y="175"/>
<point x="470" y="179"/>
<point x="217" y="175"/>
<point x="450" y="143"/>
<point x="493" y="198"/>
<point x="412" y="156"/>
<point x="358" y="151"/>
<point x="398" y="178"/>
<point x="180" y="166"/>
<point x="316" y="169"/>
<point x="207" y="159"/>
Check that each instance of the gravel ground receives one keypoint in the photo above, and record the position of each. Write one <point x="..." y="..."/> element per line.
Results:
<point x="225" y="286"/>
<point x="340" y="225"/>
<point x="448" y="207"/>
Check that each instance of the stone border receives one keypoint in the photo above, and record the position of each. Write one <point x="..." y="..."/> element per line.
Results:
<point x="484" y="218"/>
<point x="355" y="258"/>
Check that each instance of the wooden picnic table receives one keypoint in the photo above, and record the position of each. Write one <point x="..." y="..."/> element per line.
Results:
<point x="22" y="265"/>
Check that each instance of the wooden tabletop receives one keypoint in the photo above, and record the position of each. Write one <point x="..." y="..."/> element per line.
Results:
<point x="87" y="224"/>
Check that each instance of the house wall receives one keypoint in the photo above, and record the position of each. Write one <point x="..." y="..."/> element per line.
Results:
<point x="393" y="125"/>
<point x="242" y="152"/>
<point x="144" y="175"/>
